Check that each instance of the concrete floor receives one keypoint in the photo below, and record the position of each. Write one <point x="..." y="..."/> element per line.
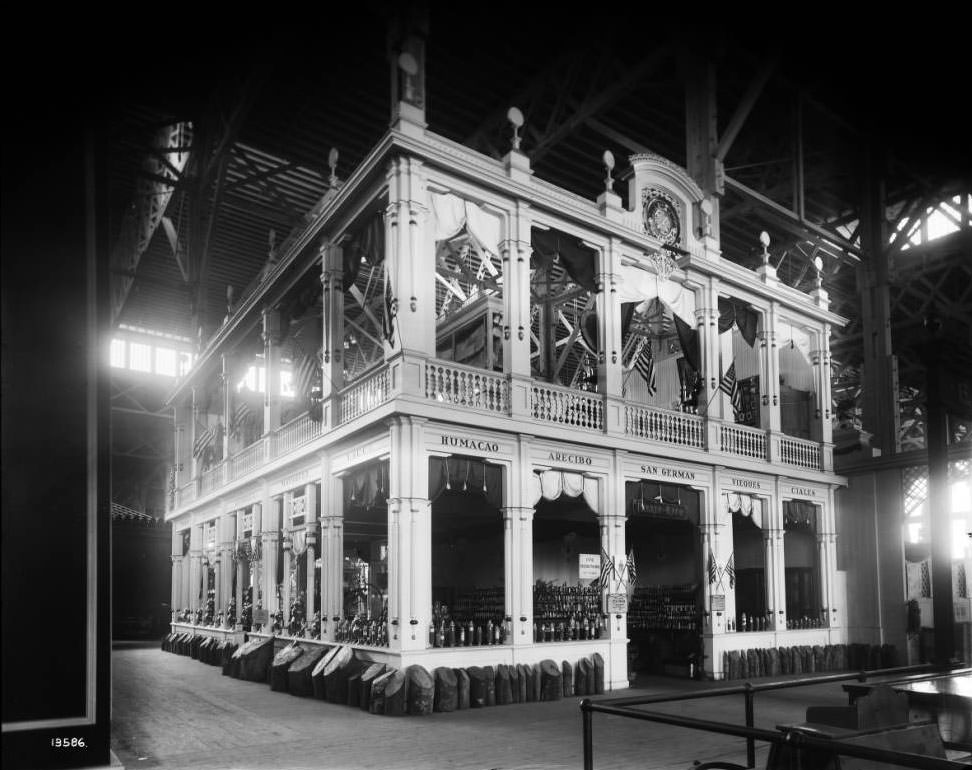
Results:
<point x="170" y="711"/>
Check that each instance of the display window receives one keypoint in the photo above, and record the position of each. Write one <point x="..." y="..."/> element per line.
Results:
<point x="662" y="538"/>
<point x="802" y="565"/>
<point x="468" y="569"/>
<point x="748" y="560"/>
<point x="365" y="557"/>
<point x="566" y="539"/>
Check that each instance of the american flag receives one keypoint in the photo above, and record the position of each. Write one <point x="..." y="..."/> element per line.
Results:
<point x="730" y="386"/>
<point x="242" y="415"/>
<point x="731" y="570"/>
<point x="203" y="440"/>
<point x="630" y="564"/>
<point x="713" y="573"/>
<point x="305" y="375"/>
<point x="388" y="319"/>
<point x="645" y="364"/>
<point x="607" y="570"/>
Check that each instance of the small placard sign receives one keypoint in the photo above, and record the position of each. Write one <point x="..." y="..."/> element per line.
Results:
<point x="615" y="603"/>
<point x="718" y="603"/>
<point x="261" y="616"/>
<point x="588" y="566"/>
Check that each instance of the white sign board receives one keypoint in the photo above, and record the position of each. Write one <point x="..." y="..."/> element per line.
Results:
<point x="588" y="566"/>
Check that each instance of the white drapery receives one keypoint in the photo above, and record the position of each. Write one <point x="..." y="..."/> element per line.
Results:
<point x="747" y="505"/>
<point x="299" y="538"/>
<point x="450" y="214"/>
<point x="639" y="285"/>
<point x="794" y="347"/>
<point x="551" y="484"/>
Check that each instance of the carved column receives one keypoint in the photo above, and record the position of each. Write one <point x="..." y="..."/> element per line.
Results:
<point x="195" y="427"/>
<point x="773" y="535"/>
<point x="516" y="296"/>
<point x="226" y="408"/>
<point x="609" y="363"/>
<point x="769" y="371"/>
<point x="332" y="554"/>
<point x="310" y="525"/>
<point x="176" y="558"/>
<point x="707" y="325"/>
<point x="271" y="539"/>
<point x="195" y="567"/>
<point x="332" y="281"/>
<point x="271" y="351"/>
<point x="409" y="533"/>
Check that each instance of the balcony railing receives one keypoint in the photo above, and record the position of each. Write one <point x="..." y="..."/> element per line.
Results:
<point x="564" y="406"/>
<point x="800" y="453"/>
<point x="211" y="479"/>
<point x="667" y="427"/>
<point x="463" y="387"/>
<point x="247" y="459"/>
<point x="742" y="441"/>
<point x="295" y="433"/>
<point x="466" y="386"/>
<point x="367" y="393"/>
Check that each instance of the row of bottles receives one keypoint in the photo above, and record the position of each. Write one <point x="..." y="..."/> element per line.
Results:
<point x="361" y="630"/>
<point x="763" y="623"/>
<point x="443" y="633"/>
<point x="663" y="608"/>
<point x="559" y="603"/>
<point x="479" y="605"/>
<point x="574" y="628"/>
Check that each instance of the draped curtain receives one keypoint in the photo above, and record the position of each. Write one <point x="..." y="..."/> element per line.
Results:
<point x="578" y="260"/>
<point x="466" y="474"/>
<point x="551" y="484"/>
<point x="799" y="514"/>
<point x="450" y="213"/>
<point x="367" y="246"/>
<point x="746" y="505"/>
<point x="367" y="487"/>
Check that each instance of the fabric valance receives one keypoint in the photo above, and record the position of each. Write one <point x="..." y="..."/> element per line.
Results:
<point x="551" y="484"/>
<point x="799" y="514"/>
<point x="745" y="505"/>
<point x="466" y="474"/>
<point x="367" y="487"/>
<point x="641" y="286"/>
<point x="578" y="260"/>
<point x="450" y="214"/>
<point x="734" y="311"/>
<point x="367" y="247"/>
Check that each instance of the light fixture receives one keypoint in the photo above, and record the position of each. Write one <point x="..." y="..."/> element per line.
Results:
<point x="516" y="119"/>
<point x="608" y="159"/>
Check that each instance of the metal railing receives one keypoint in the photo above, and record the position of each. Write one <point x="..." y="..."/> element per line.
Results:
<point x="626" y="707"/>
<point x="466" y="386"/>
<point x="800" y="453"/>
<point x="566" y="406"/>
<point x="742" y="441"/>
<point x="665" y="426"/>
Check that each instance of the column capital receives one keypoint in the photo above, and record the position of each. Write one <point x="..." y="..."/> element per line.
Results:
<point x="521" y="512"/>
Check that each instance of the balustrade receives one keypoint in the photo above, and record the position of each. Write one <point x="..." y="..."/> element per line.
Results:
<point x="247" y="459"/>
<point x="665" y="426"/>
<point x="466" y="386"/>
<point x="296" y="433"/>
<point x="800" y="453"/>
<point x="742" y="441"/>
<point x="564" y="406"/>
<point x="364" y="395"/>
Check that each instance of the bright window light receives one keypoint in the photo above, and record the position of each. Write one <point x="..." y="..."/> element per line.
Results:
<point x="287" y="383"/>
<point x="185" y="363"/>
<point x="914" y="532"/>
<point x="961" y="497"/>
<point x="117" y="353"/>
<point x="165" y="362"/>
<point x="141" y="357"/>
<point x="960" y="538"/>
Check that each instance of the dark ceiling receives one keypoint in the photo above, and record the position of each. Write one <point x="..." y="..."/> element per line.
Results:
<point x="268" y="102"/>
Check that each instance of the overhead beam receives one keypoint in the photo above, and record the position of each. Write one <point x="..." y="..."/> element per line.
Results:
<point x="745" y="107"/>
<point x="791" y="221"/>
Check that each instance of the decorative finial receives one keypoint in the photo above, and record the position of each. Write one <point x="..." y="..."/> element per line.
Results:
<point x="516" y="119"/>
<point x="818" y="265"/>
<point x="409" y="66"/>
<point x="332" y="161"/>
<point x="765" y="240"/>
<point x="608" y="158"/>
<point x="272" y="242"/>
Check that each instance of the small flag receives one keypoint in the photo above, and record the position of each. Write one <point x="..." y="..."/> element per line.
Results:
<point x="731" y="570"/>
<point x="242" y="416"/>
<point x="607" y="571"/>
<point x="388" y="319"/>
<point x="630" y="564"/>
<point x="713" y="574"/>
<point x="645" y="364"/>
<point x="203" y="440"/>
<point x="729" y="385"/>
<point x="305" y="375"/>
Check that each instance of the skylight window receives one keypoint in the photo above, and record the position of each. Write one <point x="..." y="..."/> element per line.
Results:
<point x="947" y="217"/>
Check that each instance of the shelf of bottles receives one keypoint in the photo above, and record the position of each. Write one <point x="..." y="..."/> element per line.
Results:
<point x="475" y="618"/>
<point x="359" y="629"/>
<point x="663" y="608"/>
<point x="566" y="613"/>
